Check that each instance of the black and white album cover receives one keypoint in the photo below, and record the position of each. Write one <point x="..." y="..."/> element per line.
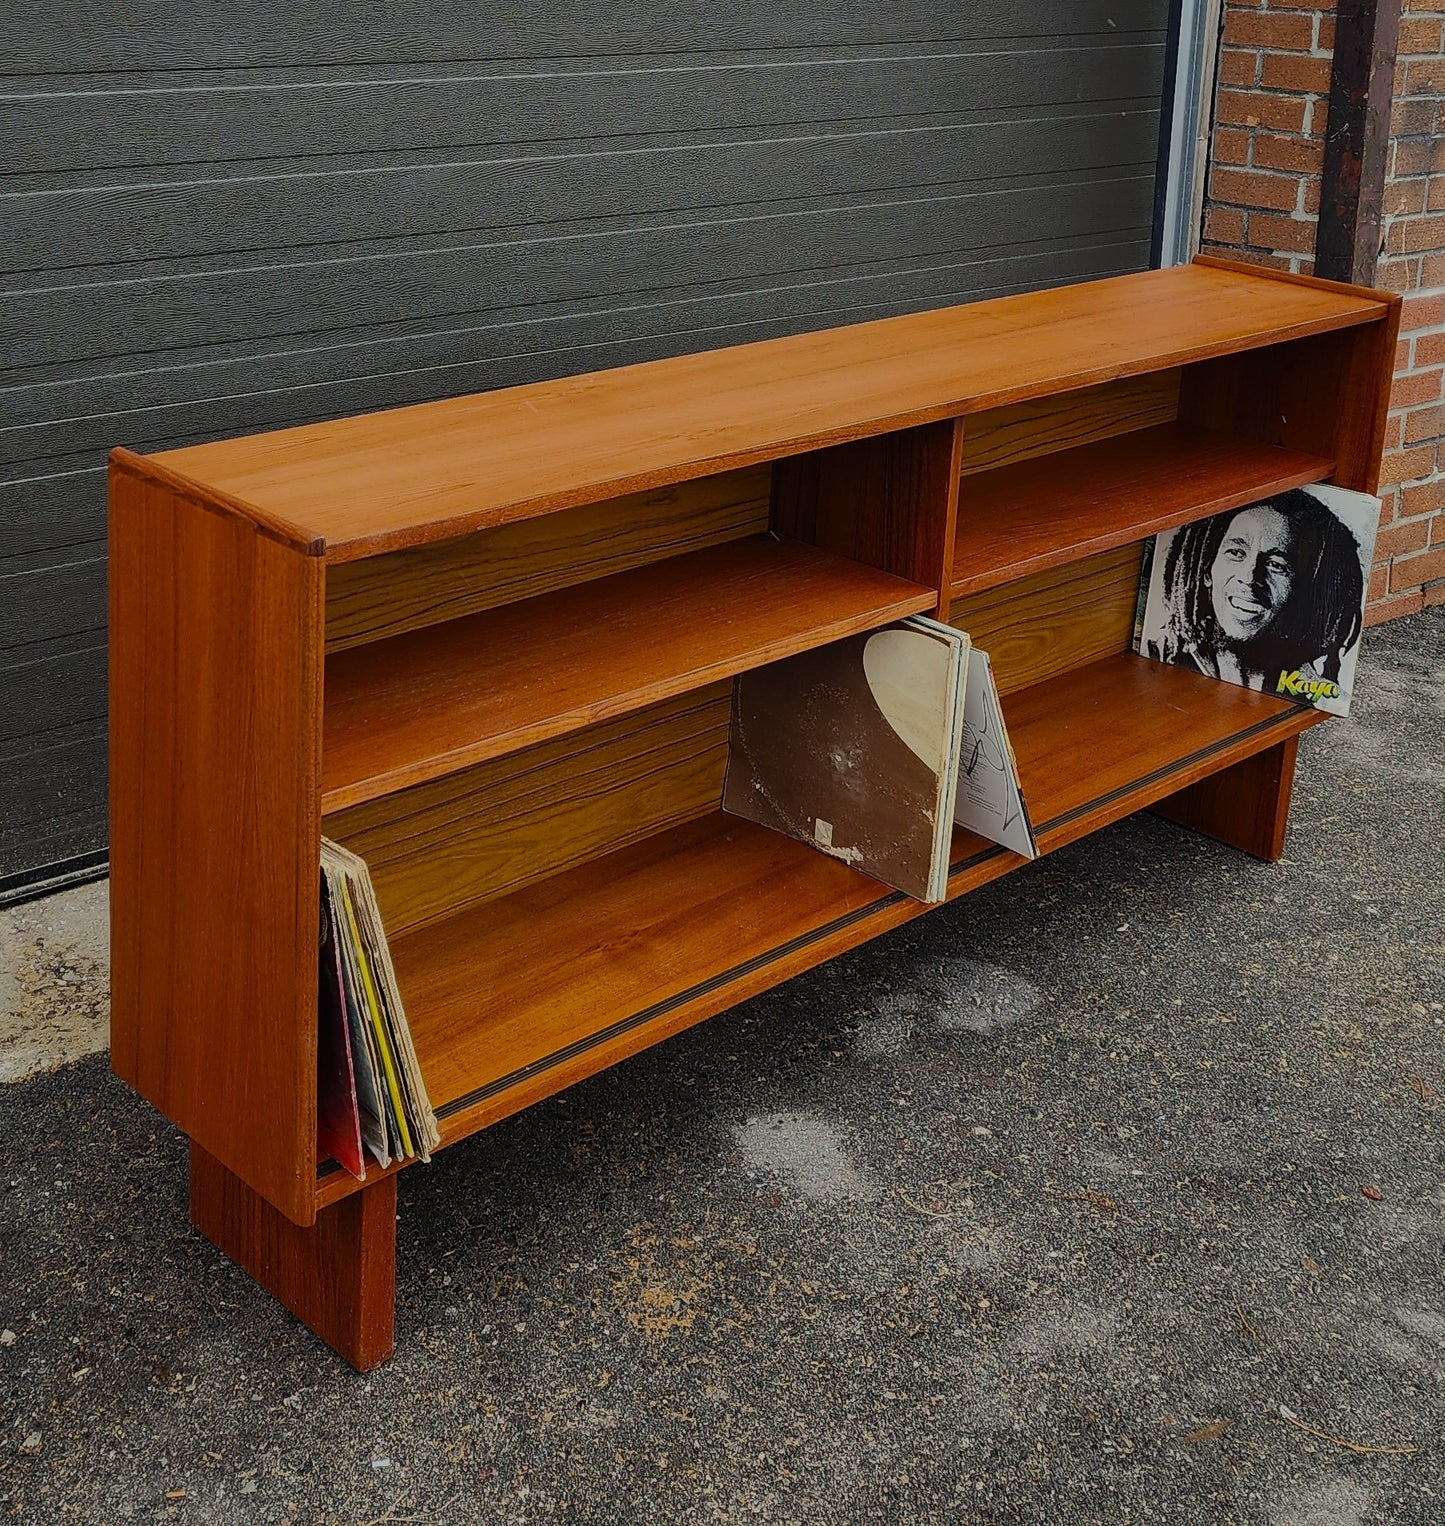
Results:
<point x="1270" y="596"/>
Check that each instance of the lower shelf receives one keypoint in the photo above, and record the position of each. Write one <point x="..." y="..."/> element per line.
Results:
<point x="1102" y="741"/>
<point x="517" y="998"/>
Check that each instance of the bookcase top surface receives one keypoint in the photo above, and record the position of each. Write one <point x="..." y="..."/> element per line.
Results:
<point x="379" y="482"/>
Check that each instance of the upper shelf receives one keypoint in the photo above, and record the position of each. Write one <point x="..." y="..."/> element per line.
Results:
<point x="359" y="486"/>
<point x="1053" y="509"/>
<point x="435" y="700"/>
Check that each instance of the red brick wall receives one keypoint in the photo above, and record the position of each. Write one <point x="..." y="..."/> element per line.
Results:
<point x="1410" y="556"/>
<point x="1261" y="204"/>
<point x="1270" y="109"/>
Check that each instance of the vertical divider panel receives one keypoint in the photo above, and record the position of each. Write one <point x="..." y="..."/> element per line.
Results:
<point x="890" y="501"/>
<point x="215" y="808"/>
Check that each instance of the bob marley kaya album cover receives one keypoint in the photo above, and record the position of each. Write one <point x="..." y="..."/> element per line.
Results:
<point x="1270" y="596"/>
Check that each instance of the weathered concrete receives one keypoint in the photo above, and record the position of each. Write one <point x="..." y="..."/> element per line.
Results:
<point x="54" y="979"/>
<point x="1115" y="1193"/>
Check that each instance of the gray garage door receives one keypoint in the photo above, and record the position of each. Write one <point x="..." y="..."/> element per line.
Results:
<point x="223" y="219"/>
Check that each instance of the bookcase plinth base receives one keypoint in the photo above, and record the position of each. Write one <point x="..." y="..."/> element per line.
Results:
<point x="338" y="1277"/>
<point x="1245" y="805"/>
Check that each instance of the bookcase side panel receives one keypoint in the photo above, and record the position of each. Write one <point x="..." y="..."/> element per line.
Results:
<point x="1366" y="379"/>
<point x="215" y="671"/>
<point x="890" y="501"/>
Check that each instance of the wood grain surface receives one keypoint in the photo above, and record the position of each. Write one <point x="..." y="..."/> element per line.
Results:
<point x="337" y="1275"/>
<point x="1291" y="278"/>
<point x="1064" y="618"/>
<point x="436" y="470"/>
<point x="436" y="700"/>
<point x="469" y="837"/>
<point x="1062" y="421"/>
<point x="1054" y="509"/>
<point x="518" y="980"/>
<point x="215" y="675"/>
<point x="515" y="999"/>
<point x="890" y="502"/>
<point x="404" y="590"/>
<point x="1327" y="394"/>
<point x="1099" y="742"/>
<point x="1245" y="805"/>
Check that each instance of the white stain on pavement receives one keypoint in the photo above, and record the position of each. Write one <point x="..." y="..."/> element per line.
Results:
<point x="805" y="1151"/>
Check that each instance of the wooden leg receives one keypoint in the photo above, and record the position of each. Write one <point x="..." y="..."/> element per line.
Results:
<point x="338" y="1277"/>
<point x="1245" y="805"/>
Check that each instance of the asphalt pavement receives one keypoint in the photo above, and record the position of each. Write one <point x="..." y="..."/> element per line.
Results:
<point x="1112" y="1193"/>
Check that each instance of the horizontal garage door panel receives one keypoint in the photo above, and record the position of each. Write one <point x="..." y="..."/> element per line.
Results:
<point x="156" y="34"/>
<point x="222" y="220"/>
<point x="49" y="820"/>
<point x="66" y="686"/>
<point x="637" y="270"/>
<point x="86" y="133"/>
<point x="330" y="206"/>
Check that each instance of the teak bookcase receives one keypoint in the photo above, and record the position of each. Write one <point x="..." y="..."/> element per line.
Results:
<point x="487" y="643"/>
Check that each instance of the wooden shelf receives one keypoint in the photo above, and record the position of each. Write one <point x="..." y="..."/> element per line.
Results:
<point x="432" y="701"/>
<point x="554" y="911"/>
<point x="518" y="981"/>
<point x="355" y="487"/>
<point x="1102" y="741"/>
<point x="510" y="1000"/>
<point x="1058" y="508"/>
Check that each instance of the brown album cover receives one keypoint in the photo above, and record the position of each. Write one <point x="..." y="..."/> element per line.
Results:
<point x="853" y="748"/>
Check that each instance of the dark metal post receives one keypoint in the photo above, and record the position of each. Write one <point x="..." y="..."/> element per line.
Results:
<point x="1357" y="140"/>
